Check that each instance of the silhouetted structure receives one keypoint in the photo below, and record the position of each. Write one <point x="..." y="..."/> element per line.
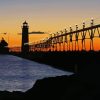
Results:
<point x="63" y="41"/>
<point x="3" y="46"/>
<point x="25" y="40"/>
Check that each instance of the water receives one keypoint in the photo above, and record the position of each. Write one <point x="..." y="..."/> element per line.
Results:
<point x="18" y="74"/>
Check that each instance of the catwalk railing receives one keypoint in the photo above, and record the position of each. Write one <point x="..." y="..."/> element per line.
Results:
<point x="72" y="40"/>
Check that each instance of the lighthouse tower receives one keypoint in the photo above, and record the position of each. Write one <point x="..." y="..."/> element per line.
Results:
<point x="25" y="40"/>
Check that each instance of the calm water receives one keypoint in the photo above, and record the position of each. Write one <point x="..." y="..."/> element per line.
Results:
<point x="18" y="74"/>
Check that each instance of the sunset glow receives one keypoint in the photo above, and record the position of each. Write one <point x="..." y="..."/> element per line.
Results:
<point x="48" y="16"/>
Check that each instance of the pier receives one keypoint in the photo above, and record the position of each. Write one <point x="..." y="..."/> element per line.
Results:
<point x="66" y="50"/>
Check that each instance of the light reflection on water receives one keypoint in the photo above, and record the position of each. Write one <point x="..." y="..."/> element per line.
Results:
<point x="18" y="74"/>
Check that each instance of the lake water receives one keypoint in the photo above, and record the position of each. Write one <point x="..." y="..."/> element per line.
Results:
<point x="18" y="74"/>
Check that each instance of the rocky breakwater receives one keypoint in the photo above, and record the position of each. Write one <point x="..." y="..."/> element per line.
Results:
<point x="57" y="88"/>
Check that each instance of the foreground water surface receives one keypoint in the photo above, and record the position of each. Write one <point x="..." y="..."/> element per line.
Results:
<point x="18" y="74"/>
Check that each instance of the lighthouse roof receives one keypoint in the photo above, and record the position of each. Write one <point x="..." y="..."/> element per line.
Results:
<point x="25" y="22"/>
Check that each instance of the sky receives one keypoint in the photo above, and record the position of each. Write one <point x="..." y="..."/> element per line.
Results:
<point x="43" y="15"/>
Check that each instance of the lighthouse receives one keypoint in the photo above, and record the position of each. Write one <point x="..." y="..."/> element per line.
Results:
<point x="25" y="38"/>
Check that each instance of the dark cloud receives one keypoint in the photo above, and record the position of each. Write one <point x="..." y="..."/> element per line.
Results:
<point x="38" y="32"/>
